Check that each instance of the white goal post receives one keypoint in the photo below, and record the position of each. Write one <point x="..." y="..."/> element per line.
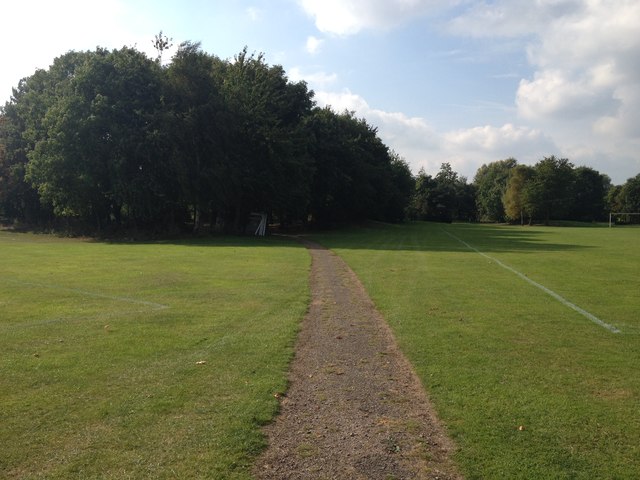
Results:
<point x="262" y="226"/>
<point x="612" y="214"/>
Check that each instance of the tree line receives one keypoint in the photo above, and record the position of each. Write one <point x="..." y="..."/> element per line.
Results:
<point x="106" y="140"/>
<point x="506" y="191"/>
<point x="552" y="189"/>
<point x="109" y="140"/>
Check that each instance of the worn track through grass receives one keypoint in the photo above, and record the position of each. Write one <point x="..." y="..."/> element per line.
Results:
<point x="355" y="408"/>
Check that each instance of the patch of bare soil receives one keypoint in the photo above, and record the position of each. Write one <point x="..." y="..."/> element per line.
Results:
<point x="355" y="408"/>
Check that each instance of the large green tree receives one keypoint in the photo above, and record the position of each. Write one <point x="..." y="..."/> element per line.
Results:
<point x="115" y="139"/>
<point x="94" y="159"/>
<point x="626" y="198"/>
<point x="399" y="187"/>
<point x="491" y="184"/>
<point x="443" y="198"/>
<point x="549" y="193"/>
<point x="351" y="167"/>
<point x="515" y="198"/>
<point x="196" y="128"/>
<point x="554" y="189"/>
<point x="24" y="125"/>
<point x="19" y="201"/>
<point x="589" y="194"/>
<point x="267" y="168"/>
<point x="423" y="203"/>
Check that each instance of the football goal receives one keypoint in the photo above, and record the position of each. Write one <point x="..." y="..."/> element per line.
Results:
<point x="623" y="217"/>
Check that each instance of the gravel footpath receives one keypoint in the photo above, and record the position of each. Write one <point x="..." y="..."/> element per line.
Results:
<point x="355" y="408"/>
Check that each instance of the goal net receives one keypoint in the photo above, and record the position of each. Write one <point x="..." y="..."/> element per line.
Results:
<point x="624" y="218"/>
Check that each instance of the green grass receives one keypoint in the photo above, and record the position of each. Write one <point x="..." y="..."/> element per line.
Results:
<point x="99" y="373"/>
<point x="527" y="387"/>
<point x="100" y="344"/>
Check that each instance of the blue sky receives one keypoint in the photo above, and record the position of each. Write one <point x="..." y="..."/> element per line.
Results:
<point x="461" y="81"/>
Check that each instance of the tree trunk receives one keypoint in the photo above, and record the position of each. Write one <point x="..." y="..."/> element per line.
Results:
<point x="239" y="221"/>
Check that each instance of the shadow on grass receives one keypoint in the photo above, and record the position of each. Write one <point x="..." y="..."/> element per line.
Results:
<point x="426" y="236"/>
<point x="415" y="236"/>
<point x="213" y="240"/>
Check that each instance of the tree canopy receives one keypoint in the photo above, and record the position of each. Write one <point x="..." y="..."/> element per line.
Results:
<point x="552" y="189"/>
<point x="626" y="198"/>
<point x="113" y="139"/>
<point x="491" y="184"/>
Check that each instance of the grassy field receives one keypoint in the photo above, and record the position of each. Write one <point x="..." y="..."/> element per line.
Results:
<point x="156" y="360"/>
<point x="101" y="372"/>
<point x="528" y="387"/>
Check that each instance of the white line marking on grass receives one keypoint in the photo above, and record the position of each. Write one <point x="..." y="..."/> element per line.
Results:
<point x="155" y="306"/>
<point x="561" y="299"/>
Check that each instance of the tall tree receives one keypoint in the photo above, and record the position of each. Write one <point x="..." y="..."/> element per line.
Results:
<point x="332" y="167"/>
<point x="453" y="197"/>
<point x="445" y="193"/>
<point x="589" y="196"/>
<point x="549" y="194"/>
<point x="466" y="194"/>
<point x="267" y="166"/>
<point x="423" y="203"/>
<point x="19" y="201"/>
<point x="196" y="129"/>
<point x="95" y="158"/>
<point x="514" y="198"/>
<point x="625" y="198"/>
<point x="113" y="138"/>
<point x="613" y="199"/>
<point x="400" y="186"/>
<point x="491" y="184"/>
<point x="628" y="197"/>
<point x="23" y="126"/>
<point x="355" y="176"/>
<point x="443" y="198"/>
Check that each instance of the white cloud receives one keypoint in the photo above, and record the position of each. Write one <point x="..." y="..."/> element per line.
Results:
<point x="582" y="100"/>
<point x="412" y="137"/>
<point x="348" y="17"/>
<point x="626" y="121"/>
<point x="588" y="74"/>
<point x="501" y="142"/>
<point x="552" y="93"/>
<point x="511" y="18"/>
<point x="341" y="101"/>
<point x="313" y="44"/>
<point x="424" y="147"/>
<point x="585" y="56"/>
<point x="315" y="80"/>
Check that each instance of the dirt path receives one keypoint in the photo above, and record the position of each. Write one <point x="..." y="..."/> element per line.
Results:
<point x="355" y="409"/>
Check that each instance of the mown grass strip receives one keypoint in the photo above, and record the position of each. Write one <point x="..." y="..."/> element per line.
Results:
<point x="546" y="290"/>
<point x="525" y="386"/>
<point x="154" y="305"/>
<point x="98" y="381"/>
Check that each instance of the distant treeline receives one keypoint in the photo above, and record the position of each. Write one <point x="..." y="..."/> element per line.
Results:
<point x="505" y="191"/>
<point x="104" y="141"/>
<point x="107" y="140"/>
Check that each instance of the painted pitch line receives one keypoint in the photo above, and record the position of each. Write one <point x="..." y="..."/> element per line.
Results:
<point x="155" y="306"/>
<point x="546" y="290"/>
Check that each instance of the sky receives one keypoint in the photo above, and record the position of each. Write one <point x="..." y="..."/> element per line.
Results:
<point x="466" y="82"/>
